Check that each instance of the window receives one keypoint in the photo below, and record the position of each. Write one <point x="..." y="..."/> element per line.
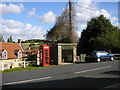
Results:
<point x="5" y="65"/>
<point x="4" y="54"/>
<point x="19" y="54"/>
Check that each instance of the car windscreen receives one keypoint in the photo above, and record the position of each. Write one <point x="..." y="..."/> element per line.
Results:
<point x="101" y="53"/>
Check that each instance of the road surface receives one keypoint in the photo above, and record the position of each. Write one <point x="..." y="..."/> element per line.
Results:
<point x="83" y="75"/>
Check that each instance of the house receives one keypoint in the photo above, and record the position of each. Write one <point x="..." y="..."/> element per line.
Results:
<point x="11" y="55"/>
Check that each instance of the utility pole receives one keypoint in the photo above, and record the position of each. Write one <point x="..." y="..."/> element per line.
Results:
<point x="73" y="35"/>
<point x="70" y="17"/>
<point x="70" y="12"/>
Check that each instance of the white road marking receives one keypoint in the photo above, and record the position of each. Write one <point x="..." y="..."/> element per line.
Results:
<point x="92" y="70"/>
<point x="51" y="77"/>
<point x="82" y="71"/>
<point x="27" y="81"/>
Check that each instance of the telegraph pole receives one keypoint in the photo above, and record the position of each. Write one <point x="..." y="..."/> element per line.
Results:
<point x="70" y="12"/>
<point x="70" y="18"/>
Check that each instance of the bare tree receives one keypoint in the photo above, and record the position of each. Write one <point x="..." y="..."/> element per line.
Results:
<point x="64" y="29"/>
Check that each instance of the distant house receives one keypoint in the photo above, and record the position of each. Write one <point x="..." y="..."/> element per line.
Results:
<point x="11" y="54"/>
<point x="33" y="55"/>
<point x="32" y="52"/>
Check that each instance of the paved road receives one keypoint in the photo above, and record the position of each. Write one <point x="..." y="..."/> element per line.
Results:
<point x="84" y="75"/>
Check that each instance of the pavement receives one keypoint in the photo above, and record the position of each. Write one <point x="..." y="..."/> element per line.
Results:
<point x="100" y="76"/>
<point x="117" y="85"/>
<point x="65" y="63"/>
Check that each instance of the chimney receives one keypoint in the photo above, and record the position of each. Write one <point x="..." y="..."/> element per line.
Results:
<point x="19" y="41"/>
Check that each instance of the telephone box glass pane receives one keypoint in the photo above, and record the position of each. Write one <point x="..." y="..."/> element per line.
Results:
<point x="46" y="56"/>
<point x="41" y="51"/>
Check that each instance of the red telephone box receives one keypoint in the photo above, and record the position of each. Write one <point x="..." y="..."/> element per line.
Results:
<point x="44" y="55"/>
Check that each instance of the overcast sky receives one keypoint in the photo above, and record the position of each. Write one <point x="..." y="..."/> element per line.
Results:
<point x="31" y="20"/>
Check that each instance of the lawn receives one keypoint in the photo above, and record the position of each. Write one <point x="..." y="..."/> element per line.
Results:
<point x="117" y="58"/>
<point x="26" y="45"/>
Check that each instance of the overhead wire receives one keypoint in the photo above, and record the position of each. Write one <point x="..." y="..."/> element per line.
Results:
<point x="98" y="10"/>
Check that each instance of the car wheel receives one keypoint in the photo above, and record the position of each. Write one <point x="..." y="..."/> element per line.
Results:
<point x="111" y="58"/>
<point x="98" y="59"/>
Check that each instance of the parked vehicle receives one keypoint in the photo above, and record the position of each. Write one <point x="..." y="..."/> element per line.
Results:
<point x="100" y="56"/>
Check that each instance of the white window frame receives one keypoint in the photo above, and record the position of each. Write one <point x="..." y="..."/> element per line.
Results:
<point x="19" y="54"/>
<point x="4" y="54"/>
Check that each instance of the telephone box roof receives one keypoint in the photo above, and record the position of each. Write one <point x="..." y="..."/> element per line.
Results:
<point x="44" y="45"/>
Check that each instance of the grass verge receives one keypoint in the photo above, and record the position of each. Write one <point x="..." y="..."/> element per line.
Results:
<point x="117" y="58"/>
<point x="24" y="69"/>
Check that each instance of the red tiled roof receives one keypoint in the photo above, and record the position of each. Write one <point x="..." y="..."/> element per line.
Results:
<point x="32" y="51"/>
<point x="10" y="48"/>
<point x="1" y="50"/>
<point x="45" y="45"/>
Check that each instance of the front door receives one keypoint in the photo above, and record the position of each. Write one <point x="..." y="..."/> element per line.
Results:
<point x="46" y="62"/>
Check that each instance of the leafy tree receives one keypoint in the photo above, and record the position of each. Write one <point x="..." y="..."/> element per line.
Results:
<point x="64" y="29"/>
<point x="32" y="44"/>
<point x="1" y="38"/>
<point x="10" y="39"/>
<point x="100" y="34"/>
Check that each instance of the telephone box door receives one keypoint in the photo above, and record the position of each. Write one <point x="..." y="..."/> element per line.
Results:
<point x="46" y="59"/>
